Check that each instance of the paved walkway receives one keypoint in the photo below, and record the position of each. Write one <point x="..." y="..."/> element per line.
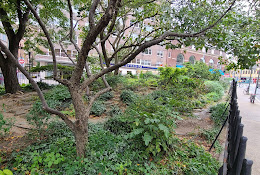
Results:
<point x="251" y="119"/>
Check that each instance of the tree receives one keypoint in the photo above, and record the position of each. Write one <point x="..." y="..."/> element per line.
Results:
<point x="9" y="12"/>
<point x="187" y="22"/>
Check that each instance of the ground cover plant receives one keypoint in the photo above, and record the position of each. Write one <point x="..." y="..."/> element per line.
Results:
<point x="109" y="154"/>
<point x="137" y="139"/>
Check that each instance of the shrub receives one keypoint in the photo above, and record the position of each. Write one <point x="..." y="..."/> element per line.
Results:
<point x="54" y="98"/>
<point x="106" y="96"/>
<point x="115" y="110"/>
<point x="214" y="86"/>
<point x="213" y="96"/>
<point x="217" y="113"/>
<point x="113" y="80"/>
<point x="117" y="125"/>
<point x="149" y="75"/>
<point x="128" y="96"/>
<point x="98" y="108"/>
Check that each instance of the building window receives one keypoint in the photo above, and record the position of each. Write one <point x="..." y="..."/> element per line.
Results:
<point x="211" y="63"/>
<point x="160" y="53"/>
<point x="63" y="53"/>
<point x="146" y="62"/>
<point x="148" y="51"/>
<point x="180" y="59"/>
<point x="192" y="59"/>
<point x="169" y="54"/>
<point x="138" y="61"/>
<point x="212" y="51"/>
<point x="74" y="54"/>
<point x="159" y="63"/>
<point x="57" y="52"/>
<point x="202" y="60"/>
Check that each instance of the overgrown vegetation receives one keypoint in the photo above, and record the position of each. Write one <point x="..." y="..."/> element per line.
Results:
<point x="136" y="139"/>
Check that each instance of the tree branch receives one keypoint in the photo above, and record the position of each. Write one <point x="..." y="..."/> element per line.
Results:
<point x="6" y="23"/>
<point x="92" y="13"/>
<point x="62" y="48"/>
<point x="92" y="99"/>
<point x="90" y="39"/>
<point x="36" y="87"/>
<point x="71" y="27"/>
<point x="29" y="5"/>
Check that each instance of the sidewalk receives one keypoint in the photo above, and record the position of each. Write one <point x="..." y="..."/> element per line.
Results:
<point x="251" y="119"/>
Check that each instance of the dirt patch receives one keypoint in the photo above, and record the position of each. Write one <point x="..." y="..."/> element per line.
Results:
<point x="193" y="125"/>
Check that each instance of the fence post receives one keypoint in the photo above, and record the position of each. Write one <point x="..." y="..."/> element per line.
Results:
<point x="247" y="167"/>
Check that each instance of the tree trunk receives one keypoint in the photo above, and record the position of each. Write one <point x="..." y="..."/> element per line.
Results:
<point x="9" y="71"/>
<point x="81" y="138"/>
<point x="10" y="77"/>
<point x="80" y="129"/>
<point x="116" y="62"/>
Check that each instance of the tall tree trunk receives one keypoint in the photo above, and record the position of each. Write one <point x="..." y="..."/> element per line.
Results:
<point x="81" y="138"/>
<point x="10" y="77"/>
<point x="80" y="129"/>
<point x="9" y="72"/>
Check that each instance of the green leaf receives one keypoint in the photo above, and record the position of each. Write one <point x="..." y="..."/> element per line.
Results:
<point x="7" y="172"/>
<point x="147" y="138"/>
<point x="1" y="172"/>
<point x="164" y="129"/>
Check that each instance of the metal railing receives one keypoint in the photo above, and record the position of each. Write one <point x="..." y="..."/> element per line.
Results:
<point x="234" y="162"/>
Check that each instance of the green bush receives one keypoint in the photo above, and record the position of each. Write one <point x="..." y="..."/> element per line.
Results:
<point x="106" y="96"/>
<point x="115" y="110"/>
<point x="217" y="112"/>
<point x="117" y="125"/>
<point x="127" y="96"/>
<point x="42" y="86"/>
<point x="149" y="75"/>
<point x="55" y="98"/>
<point x="214" y="86"/>
<point x="98" y="108"/>
<point x="213" y="96"/>
<point x="114" y="80"/>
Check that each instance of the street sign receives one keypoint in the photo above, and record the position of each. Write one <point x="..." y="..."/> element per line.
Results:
<point x="21" y="61"/>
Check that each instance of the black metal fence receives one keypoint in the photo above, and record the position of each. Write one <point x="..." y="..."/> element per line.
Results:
<point x="234" y="162"/>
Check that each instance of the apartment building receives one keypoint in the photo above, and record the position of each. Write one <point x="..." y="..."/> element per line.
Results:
<point x="149" y="60"/>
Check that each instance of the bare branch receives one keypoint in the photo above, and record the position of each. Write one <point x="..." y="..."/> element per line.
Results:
<point x="62" y="48"/>
<point x="65" y="82"/>
<point x="36" y="87"/>
<point x="72" y="28"/>
<point x="102" y="67"/>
